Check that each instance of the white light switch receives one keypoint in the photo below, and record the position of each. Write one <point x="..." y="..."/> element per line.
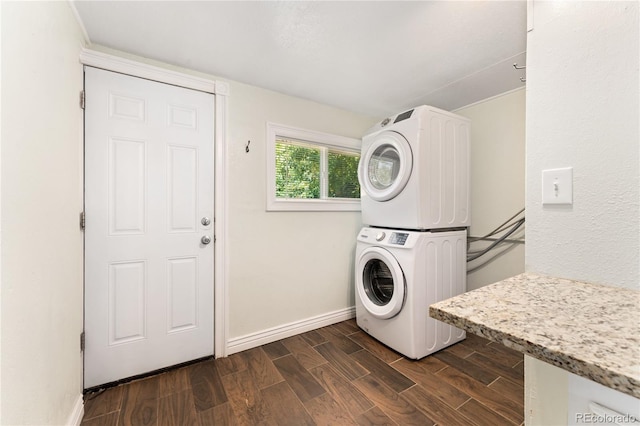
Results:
<point x="557" y="186"/>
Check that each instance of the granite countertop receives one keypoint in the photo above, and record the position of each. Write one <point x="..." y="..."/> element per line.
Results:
<point x="588" y="329"/>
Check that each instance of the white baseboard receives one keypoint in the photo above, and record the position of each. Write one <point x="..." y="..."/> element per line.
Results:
<point x="248" y="341"/>
<point x="75" y="418"/>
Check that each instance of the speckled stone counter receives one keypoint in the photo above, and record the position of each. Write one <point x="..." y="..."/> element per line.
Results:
<point x="587" y="329"/>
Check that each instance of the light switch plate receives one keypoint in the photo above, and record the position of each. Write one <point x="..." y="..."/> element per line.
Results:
<point x="557" y="186"/>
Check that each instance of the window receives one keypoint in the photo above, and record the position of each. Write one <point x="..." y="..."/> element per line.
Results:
<point x="310" y="170"/>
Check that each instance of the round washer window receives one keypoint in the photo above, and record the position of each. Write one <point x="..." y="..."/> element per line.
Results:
<point x="378" y="282"/>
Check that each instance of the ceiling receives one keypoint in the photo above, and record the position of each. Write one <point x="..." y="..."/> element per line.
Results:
<point x="372" y="57"/>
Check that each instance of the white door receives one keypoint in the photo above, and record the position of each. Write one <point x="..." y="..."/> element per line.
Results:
<point x="385" y="166"/>
<point x="149" y="211"/>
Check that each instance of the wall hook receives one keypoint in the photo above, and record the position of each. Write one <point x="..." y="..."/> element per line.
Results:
<point x="522" y="67"/>
<point x="246" y="148"/>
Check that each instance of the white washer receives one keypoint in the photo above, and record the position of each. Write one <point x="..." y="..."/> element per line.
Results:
<point x="414" y="171"/>
<point x="398" y="275"/>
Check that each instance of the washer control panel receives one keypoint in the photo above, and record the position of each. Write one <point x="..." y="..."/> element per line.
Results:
<point x="387" y="237"/>
<point x="398" y="238"/>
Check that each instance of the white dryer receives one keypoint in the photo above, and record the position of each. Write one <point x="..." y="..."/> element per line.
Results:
<point x="398" y="275"/>
<point x="414" y="171"/>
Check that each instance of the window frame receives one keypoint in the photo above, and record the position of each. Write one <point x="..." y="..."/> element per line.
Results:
<point x="312" y="138"/>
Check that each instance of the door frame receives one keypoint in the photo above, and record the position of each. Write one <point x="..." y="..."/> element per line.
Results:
<point x="220" y="89"/>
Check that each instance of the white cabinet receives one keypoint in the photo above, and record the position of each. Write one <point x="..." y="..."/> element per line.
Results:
<point x="594" y="404"/>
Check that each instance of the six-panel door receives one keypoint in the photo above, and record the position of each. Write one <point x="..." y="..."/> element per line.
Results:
<point x="149" y="185"/>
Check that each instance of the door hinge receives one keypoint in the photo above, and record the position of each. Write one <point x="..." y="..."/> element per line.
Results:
<point x="82" y="221"/>
<point x="82" y="342"/>
<point x="82" y="99"/>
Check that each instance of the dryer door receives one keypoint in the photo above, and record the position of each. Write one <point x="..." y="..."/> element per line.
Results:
<point x="380" y="283"/>
<point x="385" y="167"/>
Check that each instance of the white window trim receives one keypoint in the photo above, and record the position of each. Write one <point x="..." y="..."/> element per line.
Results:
<point x="317" y="138"/>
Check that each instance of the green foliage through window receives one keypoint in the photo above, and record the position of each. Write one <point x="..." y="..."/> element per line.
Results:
<point x="343" y="175"/>
<point x="299" y="172"/>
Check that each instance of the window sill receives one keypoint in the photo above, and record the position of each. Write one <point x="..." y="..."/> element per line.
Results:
<point x="313" y="205"/>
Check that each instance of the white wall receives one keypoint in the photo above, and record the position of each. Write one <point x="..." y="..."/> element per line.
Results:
<point x="284" y="266"/>
<point x="582" y="112"/>
<point x="0" y="216"/>
<point x="41" y="199"/>
<point x="497" y="182"/>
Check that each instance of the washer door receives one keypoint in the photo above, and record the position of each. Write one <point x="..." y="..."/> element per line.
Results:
<point x="380" y="283"/>
<point x="385" y="167"/>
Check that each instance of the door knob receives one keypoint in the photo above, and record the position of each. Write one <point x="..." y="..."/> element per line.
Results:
<point x="205" y="240"/>
<point x="205" y="221"/>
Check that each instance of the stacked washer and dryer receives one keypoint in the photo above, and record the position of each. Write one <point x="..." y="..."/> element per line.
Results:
<point x="414" y="177"/>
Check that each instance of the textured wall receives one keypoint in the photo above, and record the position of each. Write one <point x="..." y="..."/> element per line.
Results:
<point x="41" y="200"/>
<point x="582" y="112"/>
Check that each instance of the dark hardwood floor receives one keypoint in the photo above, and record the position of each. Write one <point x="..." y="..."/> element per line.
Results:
<point x="335" y="375"/>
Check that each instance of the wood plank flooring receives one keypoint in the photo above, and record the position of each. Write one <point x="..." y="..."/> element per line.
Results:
<point x="336" y="375"/>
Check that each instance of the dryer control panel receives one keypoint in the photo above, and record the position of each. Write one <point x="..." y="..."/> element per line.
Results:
<point x="403" y="116"/>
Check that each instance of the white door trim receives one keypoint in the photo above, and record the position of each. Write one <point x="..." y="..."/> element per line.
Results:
<point x="221" y="90"/>
<point x="110" y="62"/>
